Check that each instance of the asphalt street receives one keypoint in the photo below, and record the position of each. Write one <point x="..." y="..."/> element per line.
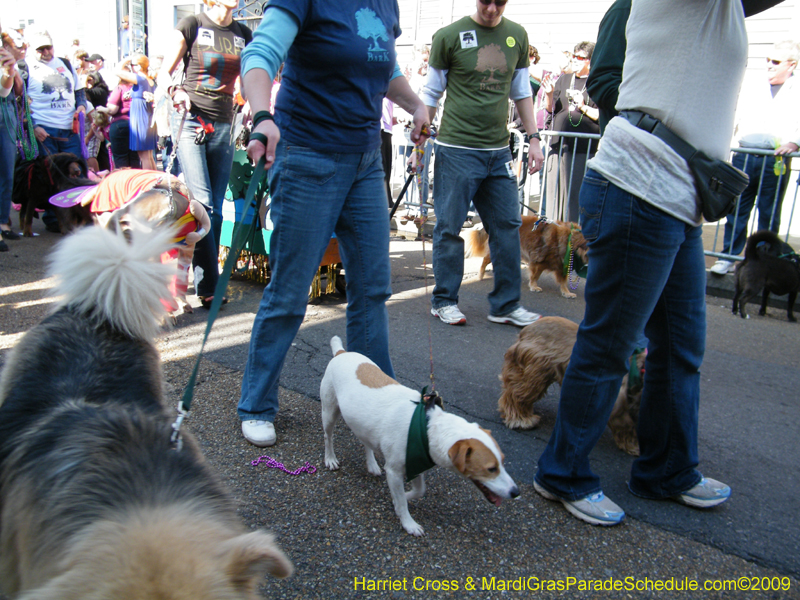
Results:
<point x="339" y="527"/>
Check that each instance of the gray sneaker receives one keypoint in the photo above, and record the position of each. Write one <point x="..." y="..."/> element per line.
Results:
<point x="595" y="509"/>
<point x="707" y="493"/>
<point x="449" y="314"/>
<point x="519" y="317"/>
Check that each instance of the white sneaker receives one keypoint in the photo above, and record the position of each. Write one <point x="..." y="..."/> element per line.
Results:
<point x="519" y="317"/>
<point x="721" y="267"/>
<point x="259" y="433"/>
<point x="449" y="314"/>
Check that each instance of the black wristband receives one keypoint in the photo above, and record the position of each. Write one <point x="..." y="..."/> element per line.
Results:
<point x="259" y="137"/>
<point x="536" y="135"/>
<point x="262" y="115"/>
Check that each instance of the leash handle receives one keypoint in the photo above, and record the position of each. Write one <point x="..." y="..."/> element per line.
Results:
<point x="236" y="245"/>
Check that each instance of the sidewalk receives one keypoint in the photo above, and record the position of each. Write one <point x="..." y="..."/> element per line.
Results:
<point x="339" y="528"/>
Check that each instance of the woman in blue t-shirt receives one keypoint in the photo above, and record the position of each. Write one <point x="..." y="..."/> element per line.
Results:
<point x="324" y="149"/>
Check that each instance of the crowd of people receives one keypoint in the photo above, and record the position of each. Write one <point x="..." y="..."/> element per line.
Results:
<point x="334" y="168"/>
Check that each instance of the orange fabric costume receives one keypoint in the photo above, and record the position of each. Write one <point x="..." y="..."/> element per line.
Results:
<point x="122" y="186"/>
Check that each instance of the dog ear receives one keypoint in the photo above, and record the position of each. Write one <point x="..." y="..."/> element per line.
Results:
<point x="251" y="555"/>
<point x="459" y="454"/>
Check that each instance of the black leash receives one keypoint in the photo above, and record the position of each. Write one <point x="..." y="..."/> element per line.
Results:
<point x="402" y="193"/>
<point x="242" y="234"/>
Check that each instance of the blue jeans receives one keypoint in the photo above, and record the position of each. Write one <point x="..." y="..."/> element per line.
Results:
<point x="207" y="168"/>
<point x="8" y="157"/>
<point x="483" y="177"/>
<point x="60" y="140"/>
<point x="313" y="195"/>
<point x="646" y="271"/>
<point x="770" y="198"/>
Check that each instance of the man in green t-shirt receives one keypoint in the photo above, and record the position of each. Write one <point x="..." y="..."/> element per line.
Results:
<point x="481" y="61"/>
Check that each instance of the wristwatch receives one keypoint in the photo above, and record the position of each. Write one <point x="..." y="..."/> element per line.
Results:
<point x="536" y="136"/>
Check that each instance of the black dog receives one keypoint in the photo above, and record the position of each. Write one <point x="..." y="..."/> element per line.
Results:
<point x="769" y="265"/>
<point x="35" y="181"/>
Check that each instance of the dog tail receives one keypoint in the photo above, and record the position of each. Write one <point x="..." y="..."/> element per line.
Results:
<point x="476" y="242"/>
<point x="103" y="276"/>
<point x="755" y="241"/>
<point x="336" y="345"/>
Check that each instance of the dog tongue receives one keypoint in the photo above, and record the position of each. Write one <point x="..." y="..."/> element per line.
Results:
<point x="489" y="494"/>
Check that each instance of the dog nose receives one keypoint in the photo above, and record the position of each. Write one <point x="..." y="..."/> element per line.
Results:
<point x="514" y="492"/>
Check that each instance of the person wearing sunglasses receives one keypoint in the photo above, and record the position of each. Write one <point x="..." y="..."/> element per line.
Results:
<point x="573" y="112"/>
<point x="56" y="97"/>
<point x="767" y="119"/>
<point x="481" y="61"/>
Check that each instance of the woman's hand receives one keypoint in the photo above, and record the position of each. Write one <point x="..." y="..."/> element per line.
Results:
<point x="180" y="100"/>
<point x="257" y="148"/>
<point x="7" y="62"/>
<point x="422" y="125"/>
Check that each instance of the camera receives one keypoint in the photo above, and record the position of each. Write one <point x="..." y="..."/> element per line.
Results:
<point x="574" y="97"/>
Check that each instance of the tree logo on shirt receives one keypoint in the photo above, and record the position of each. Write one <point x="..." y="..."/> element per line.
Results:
<point x="371" y="27"/>
<point x="56" y="84"/>
<point x="492" y="59"/>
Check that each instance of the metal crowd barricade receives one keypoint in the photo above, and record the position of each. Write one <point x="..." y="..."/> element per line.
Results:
<point x="784" y="179"/>
<point x="528" y="185"/>
<point x="533" y="189"/>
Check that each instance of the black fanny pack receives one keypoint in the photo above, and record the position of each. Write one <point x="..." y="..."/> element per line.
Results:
<point x="718" y="183"/>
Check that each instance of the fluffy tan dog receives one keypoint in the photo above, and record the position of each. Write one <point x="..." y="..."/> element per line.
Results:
<point x="538" y="359"/>
<point x="543" y="248"/>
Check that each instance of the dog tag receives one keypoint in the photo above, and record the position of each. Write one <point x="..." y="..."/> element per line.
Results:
<point x="70" y="197"/>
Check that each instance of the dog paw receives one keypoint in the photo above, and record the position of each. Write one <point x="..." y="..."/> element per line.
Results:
<point x="569" y="295"/>
<point x="527" y="423"/>
<point x="627" y="442"/>
<point x="535" y="288"/>
<point x="414" y="529"/>
<point x="375" y="471"/>
<point x="332" y="464"/>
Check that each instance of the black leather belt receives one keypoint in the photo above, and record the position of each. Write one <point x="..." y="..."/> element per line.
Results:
<point x="655" y="127"/>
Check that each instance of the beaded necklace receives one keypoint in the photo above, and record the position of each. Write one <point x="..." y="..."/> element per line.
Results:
<point x="569" y="112"/>
<point x="25" y="138"/>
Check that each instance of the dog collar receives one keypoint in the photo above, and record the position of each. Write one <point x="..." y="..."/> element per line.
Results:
<point x="418" y="457"/>
<point x="635" y="379"/>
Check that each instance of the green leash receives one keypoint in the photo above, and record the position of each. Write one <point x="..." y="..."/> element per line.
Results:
<point x="242" y="234"/>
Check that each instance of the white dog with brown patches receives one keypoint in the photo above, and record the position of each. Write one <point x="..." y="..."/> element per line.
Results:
<point x="380" y="411"/>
